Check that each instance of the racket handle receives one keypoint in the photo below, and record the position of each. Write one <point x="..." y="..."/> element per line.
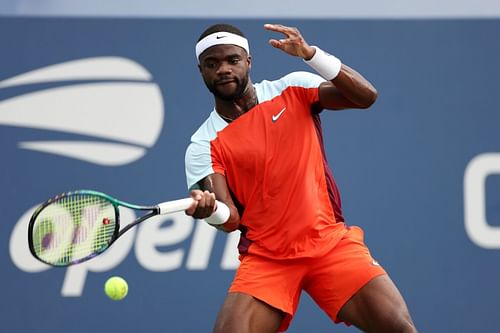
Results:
<point x="220" y="216"/>
<point x="174" y="206"/>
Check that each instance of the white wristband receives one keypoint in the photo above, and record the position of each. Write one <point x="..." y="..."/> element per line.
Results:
<point x="325" y="64"/>
<point x="220" y="216"/>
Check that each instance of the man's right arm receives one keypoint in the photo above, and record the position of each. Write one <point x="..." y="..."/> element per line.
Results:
<point x="213" y="187"/>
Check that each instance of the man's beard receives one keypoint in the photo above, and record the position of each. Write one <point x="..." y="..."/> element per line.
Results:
<point x="241" y="85"/>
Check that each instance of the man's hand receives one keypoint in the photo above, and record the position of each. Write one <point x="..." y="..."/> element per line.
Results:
<point x="203" y="205"/>
<point x="294" y="44"/>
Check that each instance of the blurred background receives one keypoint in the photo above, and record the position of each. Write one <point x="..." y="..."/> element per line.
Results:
<point x="105" y="96"/>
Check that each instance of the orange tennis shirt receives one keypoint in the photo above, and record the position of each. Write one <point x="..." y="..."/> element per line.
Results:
<point x="275" y="166"/>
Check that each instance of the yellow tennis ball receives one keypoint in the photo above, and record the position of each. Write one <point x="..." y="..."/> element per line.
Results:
<point x="116" y="288"/>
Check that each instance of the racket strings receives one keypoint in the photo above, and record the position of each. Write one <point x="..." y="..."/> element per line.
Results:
<point x="73" y="227"/>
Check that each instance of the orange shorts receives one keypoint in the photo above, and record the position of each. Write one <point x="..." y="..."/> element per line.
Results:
<point x="330" y="280"/>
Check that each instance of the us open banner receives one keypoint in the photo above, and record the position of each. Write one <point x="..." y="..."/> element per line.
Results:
<point x="107" y="100"/>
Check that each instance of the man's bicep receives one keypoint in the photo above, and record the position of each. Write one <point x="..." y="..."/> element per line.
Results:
<point x="349" y="90"/>
<point x="330" y="98"/>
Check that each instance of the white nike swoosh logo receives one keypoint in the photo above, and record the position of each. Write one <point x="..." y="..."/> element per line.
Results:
<point x="276" y="116"/>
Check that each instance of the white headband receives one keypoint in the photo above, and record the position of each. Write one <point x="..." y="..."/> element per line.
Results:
<point x="220" y="38"/>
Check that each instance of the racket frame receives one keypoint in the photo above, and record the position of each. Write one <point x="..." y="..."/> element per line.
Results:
<point x="117" y="233"/>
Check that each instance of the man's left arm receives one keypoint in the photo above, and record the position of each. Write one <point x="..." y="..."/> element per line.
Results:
<point x="345" y="88"/>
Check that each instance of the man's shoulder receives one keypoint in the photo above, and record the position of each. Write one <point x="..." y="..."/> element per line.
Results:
<point x="208" y="129"/>
<point x="299" y="78"/>
<point x="267" y="90"/>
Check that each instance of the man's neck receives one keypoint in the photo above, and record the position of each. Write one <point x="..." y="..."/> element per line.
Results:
<point x="230" y="110"/>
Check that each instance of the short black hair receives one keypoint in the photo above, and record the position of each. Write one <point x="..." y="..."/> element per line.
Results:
<point x="221" y="27"/>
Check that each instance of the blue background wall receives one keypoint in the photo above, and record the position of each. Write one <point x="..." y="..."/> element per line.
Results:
<point x="400" y="168"/>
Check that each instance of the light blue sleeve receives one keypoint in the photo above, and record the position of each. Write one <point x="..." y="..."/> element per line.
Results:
<point x="198" y="163"/>
<point x="267" y="90"/>
<point x="198" y="160"/>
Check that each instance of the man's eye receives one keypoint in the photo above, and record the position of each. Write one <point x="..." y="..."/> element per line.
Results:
<point x="234" y="61"/>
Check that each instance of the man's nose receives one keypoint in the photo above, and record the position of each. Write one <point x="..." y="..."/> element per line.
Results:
<point x="224" y="68"/>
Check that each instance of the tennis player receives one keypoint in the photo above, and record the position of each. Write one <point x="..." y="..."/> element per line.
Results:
<point x="261" y="152"/>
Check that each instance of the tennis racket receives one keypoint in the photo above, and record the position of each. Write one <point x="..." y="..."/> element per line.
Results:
<point x="74" y="227"/>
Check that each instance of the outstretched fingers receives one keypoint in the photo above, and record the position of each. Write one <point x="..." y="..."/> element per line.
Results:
<point x="293" y="43"/>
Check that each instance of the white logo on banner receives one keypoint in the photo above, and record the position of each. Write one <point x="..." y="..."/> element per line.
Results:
<point x="477" y="227"/>
<point x="122" y="118"/>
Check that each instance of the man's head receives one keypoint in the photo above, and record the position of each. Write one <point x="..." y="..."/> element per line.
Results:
<point x="224" y="61"/>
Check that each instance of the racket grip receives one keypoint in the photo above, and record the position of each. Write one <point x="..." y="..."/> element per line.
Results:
<point x="220" y="216"/>
<point x="174" y="205"/>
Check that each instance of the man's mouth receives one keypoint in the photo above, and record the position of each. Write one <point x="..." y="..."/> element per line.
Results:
<point x="224" y="81"/>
